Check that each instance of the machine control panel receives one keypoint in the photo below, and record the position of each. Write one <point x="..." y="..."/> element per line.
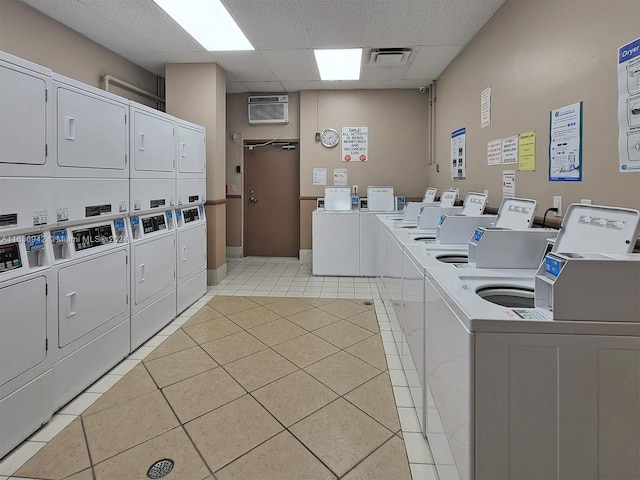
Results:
<point x="190" y="214"/>
<point x="91" y="237"/>
<point x="9" y="257"/>
<point x="153" y="224"/>
<point x="35" y="242"/>
<point x="552" y="266"/>
<point x="477" y="235"/>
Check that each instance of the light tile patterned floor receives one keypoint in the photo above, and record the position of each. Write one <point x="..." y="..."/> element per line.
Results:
<point x="247" y="384"/>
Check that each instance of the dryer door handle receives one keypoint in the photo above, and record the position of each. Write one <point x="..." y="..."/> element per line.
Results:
<point x="71" y="304"/>
<point x="142" y="273"/>
<point x="184" y="254"/>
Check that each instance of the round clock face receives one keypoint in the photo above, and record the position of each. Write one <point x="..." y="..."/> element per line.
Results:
<point x="329" y="137"/>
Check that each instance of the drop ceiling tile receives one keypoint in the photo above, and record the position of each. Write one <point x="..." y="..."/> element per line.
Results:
<point x="245" y="66"/>
<point x="236" y="87"/>
<point x="265" y="87"/>
<point x="341" y="24"/>
<point x="402" y="22"/>
<point x="292" y="64"/>
<point x="458" y="21"/>
<point x="430" y="62"/>
<point x="270" y="25"/>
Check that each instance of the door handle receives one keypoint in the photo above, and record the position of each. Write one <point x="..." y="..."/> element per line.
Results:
<point x="71" y="304"/>
<point x="142" y="273"/>
<point x="253" y="200"/>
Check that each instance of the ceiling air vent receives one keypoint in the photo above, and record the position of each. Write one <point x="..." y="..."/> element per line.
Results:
<point x="269" y="109"/>
<point x="389" y="57"/>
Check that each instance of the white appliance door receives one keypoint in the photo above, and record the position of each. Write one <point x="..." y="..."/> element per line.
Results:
<point x="192" y="250"/>
<point x="23" y="119"/>
<point x="153" y="148"/>
<point x="23" y="327"/>
<point x="92" y="134"/>
<point x="90" y="294"/>
<point x="155" y="267"/>
<point x="191" y="150"/>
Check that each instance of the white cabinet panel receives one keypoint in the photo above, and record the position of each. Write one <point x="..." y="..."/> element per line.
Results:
<point x="154" y="267"/>
<point x="152" y="144"/>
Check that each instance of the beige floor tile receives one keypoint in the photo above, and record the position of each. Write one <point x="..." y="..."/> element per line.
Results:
<point x="313" y="319"/>
<point x="253" y="317"/>
<point x="230" y="431"/>
<point x="293" y="397"/>
<point x="264" y="300"/>
<point x="202" y="393"/>
<point x="305" y="349"/>
<point x="345" y="308"/>
<point x="178" y="340"/>
<point x="342" y="372"/>
<point x="288" y="306"/>
<point x="340" y="435"/>
<point x="366" y="320"/>
<point x="233" y="347"/>
<point x="277" y="331"/>
<point x="211" y="330"/>
<point x="179" y="366"/>
<point x="135" y="383"/>
<point x="389" y="461"/>
<point x="259" y="369"/>
<point x="219" y="299"/>
<point x="371" y="351"/>
<point x="133" y="464"/>
<point x="83" y="475"/>
<point x="376" y="398"/>
<point x="65" y="455"/>
<point x="280" y="458"/>
<point x="126" y="424"/>
<point x="342" y="333"/>
<point x="232" y="305"/>
<point x="317" y="302"/>
<point x="202" y="315"/>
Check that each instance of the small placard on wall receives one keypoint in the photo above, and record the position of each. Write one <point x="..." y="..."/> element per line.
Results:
<point x="355" y="144"/>
<point x="319" y="176"/>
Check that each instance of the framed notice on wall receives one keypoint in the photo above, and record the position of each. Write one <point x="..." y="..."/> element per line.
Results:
<point x="355" y="144"/>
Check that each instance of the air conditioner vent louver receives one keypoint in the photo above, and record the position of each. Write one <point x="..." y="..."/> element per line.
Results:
<point x="389" y="57"/>
<point x="268" y="109"/>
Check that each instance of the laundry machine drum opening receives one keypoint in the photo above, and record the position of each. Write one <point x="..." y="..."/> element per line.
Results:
<point x="508" y="296"/>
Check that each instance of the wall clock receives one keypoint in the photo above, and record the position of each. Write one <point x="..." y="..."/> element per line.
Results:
<point x="329" y="137"/>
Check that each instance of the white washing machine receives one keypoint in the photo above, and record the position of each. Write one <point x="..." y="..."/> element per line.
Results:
<point x="335" y="231"/>
<point x="92" y="152"/>
<point x="191" y="168"/>
<point x="91" y="266"/>
<point x="27" y="314"/>
<point x="191" y="225"/>
<point x="28" y="153"/>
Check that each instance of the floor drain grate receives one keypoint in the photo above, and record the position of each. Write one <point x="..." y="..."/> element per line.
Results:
<point x="367" y="303"/>
<point x="160" y="469"/>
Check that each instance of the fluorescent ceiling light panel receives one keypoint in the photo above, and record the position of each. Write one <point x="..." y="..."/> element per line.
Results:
<point x="208" y="22"/>
<point x="339" y="64"/>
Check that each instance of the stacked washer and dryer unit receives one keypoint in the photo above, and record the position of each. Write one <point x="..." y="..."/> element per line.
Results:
<point x="102" y="236"/>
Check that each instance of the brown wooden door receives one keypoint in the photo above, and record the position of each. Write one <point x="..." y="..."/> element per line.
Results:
<point x="272" y="201"/>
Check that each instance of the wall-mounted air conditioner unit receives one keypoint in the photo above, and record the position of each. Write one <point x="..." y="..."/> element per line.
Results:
<point x="269" y="109"/>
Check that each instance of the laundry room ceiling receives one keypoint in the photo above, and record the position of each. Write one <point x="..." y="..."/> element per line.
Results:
<point x="284" y="34"/>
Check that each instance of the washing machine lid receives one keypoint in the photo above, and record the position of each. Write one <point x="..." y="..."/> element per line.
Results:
<point x="448" y="198"/>
<point x="598" y="228"/>
<point x="516" y="213"/>
<point x="474" y="203"/>
<point x="337" y="198"/>
<point x="380" y="199"/>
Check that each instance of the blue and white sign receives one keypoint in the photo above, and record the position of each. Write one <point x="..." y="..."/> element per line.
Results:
<point x="565" y="144"/>
<point x="629" y="107"/>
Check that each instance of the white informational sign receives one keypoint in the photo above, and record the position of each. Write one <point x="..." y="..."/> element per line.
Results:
<point x="485" y="108"/>
<point x="340" y="176"/>
<point x="355" y="144"/>
<point x="510" y="149"/>
<point x="319" y="176"/>
<point x="458" y="159"/>
<point x="565" y="144"/>
<point x="508" y="183"/>
<point x="629" y="107"/>
<point x="494" y="152"/>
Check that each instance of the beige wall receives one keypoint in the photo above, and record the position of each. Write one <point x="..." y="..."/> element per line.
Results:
<point x="28" y="34"/>
<point x="538" y="56"/>
<point x="398" y="145"/>
<point x="197" y="93"/>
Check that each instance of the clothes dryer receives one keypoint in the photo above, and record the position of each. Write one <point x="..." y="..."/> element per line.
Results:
<point x="191" y="234"/>
<point x="28" y="154"/>
<point x="27" y="314"/>
<point x="191" y="168"/>
<point x="91" y="267"/>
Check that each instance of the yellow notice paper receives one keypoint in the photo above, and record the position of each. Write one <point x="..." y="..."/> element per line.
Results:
<point x="527" y="151"/>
